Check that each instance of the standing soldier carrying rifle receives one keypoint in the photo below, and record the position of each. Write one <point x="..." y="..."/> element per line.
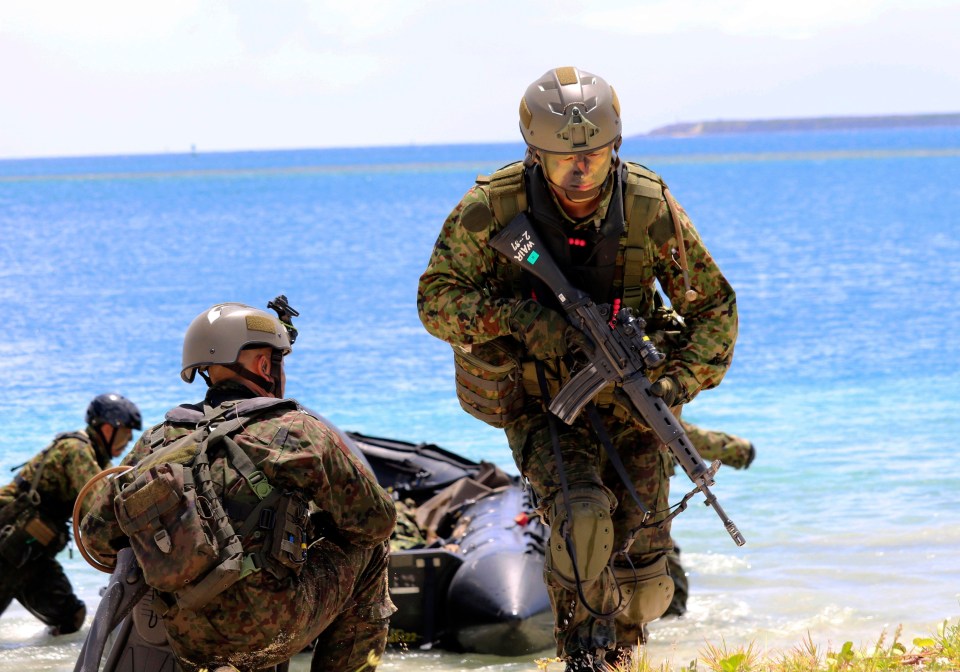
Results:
<point x="613" y="230"/>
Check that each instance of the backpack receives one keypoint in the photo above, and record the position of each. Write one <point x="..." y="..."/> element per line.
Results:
<point x="178" y="528"/>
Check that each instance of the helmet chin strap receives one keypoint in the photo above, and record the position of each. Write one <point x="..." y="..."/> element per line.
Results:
<point x="276" y="366"/>
<point x="267" y="384"/>
<point x="107" y="445"/>
<point x="578" y="196"/>
<point x="581" y="196"/>
<point x="271" y="385"/>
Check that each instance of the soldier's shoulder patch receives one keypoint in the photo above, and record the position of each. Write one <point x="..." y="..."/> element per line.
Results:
<point x="476" y="217"/>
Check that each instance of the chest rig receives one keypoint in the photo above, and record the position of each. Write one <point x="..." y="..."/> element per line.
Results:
<point x="630" y="278"/>
<point x="618" y="258"/>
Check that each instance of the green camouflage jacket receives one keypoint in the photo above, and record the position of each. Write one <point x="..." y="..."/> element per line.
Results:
<point x="70" y="463"/>
<point x="295" y="451"/>
<point x="467" y="293"/>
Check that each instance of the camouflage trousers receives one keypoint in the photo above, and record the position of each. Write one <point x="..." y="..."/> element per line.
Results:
<point x="586" y="464"/>
<point x="42" y="587"/>
<point x="339" y="599"/>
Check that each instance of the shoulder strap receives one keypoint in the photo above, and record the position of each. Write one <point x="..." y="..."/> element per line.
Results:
<point x="642" y="194"/>
<point x="691" y="295"/>
<point x="35" y="481"/>
<point x="79" y="436"/>
<point x="508" y="193"/>
<point x="233" y="417"/>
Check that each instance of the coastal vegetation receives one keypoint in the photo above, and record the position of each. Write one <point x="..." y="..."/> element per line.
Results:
<point x="939" y="652"/>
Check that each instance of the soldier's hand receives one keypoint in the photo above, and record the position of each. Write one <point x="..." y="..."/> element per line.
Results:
<point x="544" y="332"/>
<point x="667" y="389"/>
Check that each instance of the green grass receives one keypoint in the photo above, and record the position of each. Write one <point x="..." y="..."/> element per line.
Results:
<point x="937" y="653"/>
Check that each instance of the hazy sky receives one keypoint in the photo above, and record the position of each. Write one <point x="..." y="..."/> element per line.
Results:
<point x="132" y="76"/>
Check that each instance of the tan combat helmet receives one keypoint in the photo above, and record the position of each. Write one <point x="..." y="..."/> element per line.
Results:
<point x="568" y="110"/>
<point x="217" y="335"/>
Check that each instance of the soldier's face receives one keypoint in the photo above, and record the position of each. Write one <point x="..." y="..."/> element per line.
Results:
<point x="121" y="437"/>
<point x="580" y="173"/>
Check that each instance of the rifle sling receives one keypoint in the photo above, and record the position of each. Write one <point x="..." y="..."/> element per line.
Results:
<point x="614" y="458"/>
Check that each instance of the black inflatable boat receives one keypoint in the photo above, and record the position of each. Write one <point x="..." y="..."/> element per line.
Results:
<point x="478" y="585"/>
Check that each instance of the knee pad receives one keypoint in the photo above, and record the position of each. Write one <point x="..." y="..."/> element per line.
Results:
<point x="590" y="530"/>
<point x="647" y="591"/>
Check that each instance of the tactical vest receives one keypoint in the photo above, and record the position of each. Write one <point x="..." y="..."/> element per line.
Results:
<point x="179" y="527"/>
<point x="30" y="526"/>
<point x="491" y="393"/>
<point x="643" y="192"/>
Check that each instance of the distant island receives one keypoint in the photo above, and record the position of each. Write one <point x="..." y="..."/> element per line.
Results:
<point x="807" y="124"/>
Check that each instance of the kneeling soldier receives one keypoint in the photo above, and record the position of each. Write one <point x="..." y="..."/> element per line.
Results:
<point x="290" y="544"/>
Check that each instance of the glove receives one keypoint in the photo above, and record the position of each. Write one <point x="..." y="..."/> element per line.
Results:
<point x="667" y="389"/>
<point x="545" y="333"/>
<point x="750" y="457"/>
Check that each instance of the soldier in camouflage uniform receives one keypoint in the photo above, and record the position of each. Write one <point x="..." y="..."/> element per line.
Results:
<point x="29" y="570"/>
<point x="339" y="595"/>
<point x="614" y="229"/>
<point x="733" y="451"/>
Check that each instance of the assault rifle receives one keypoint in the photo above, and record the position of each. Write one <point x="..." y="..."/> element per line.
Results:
<point x="622" y="353"/>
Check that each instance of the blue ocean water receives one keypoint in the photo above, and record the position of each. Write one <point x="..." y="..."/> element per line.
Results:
<point x="843" y="249"/>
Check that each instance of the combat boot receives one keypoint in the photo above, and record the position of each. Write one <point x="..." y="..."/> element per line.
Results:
<point x="580" y="661"/>
<point x="73" y="626"/>
<point x="619" y="657"/>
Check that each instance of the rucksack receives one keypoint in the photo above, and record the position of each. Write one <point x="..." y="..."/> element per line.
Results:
<point x="178" y="528"/>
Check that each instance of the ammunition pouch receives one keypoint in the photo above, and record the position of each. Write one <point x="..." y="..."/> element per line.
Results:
<point x="488" y="381"/>
<point x="171" y="528"/>
<point x="25" y="534"/>
<point x="15" y="546"/>
<point x="289" y="539"/>
<point x="590" y="531"/>
<point x="647" y="591"/>
<point x="281" y="524"/>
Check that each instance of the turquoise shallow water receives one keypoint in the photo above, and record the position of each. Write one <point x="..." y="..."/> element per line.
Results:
<point x="843" y="249"/>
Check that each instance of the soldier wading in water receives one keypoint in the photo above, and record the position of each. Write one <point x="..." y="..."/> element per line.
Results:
<point x="302" y="526"/>
<point x="614" y="229"/>
<point x="35" y="508"/>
